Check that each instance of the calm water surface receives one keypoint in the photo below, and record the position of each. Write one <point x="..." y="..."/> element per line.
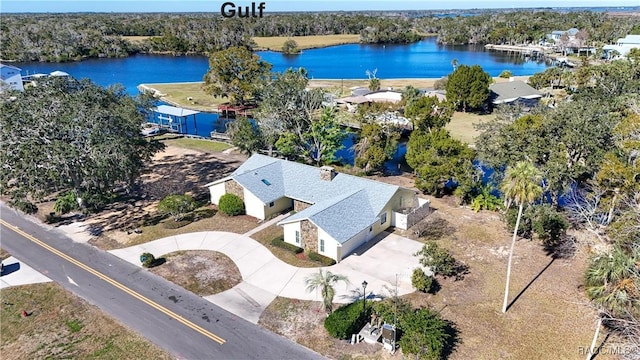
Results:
<point x="424" y="59"/>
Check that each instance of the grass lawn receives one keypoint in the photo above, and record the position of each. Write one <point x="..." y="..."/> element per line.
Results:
<point x="266" y="235"/>
<point x="461" y="126"/>
<point x="136" y="39"/>
<point x="275" y="43"/>
<point x="63" y="326"/>
<point x="180" y="93"/>
<point x="116" y="239"/>
<point x="207" y="146"/>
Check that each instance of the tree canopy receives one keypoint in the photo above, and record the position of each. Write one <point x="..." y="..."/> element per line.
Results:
<point x="438" y="159"/>
<point x="71" y="135"/>
<point x="236" y="73"/>
<point x="468" y="87"/>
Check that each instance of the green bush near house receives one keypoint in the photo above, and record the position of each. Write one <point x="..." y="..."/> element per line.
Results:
<point x="321" y="259"/>
<point x="347" y="320"/>
<point x="421" y="281"/>
<point x="279" y="242"/>
<point x="231" y="205"/>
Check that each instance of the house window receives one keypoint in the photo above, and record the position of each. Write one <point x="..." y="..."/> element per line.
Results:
<point x="271" y="204"/>
<point x="321" y="245"/>
<point x="297" y="237"/>
<point x="383" y="218"/>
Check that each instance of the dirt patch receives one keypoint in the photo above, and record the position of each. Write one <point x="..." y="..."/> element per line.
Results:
<point x="134" y="218"/>
<point x="201" y="272"/>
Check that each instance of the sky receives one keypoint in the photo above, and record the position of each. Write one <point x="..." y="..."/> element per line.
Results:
<point x="12" y="6"/>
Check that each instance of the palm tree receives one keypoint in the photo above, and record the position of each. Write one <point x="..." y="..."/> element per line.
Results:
<point x="521" y="184"/>
<point x="325" y="282"/>
<point x="612" y="282"/>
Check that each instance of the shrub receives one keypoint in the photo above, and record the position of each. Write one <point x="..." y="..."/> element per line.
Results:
<point x="346" y="320"/>
<point x="440" y="261"/>
<point x="279" y="242"/>
<point x="424" y="330"/>
<point x="147" y="260"/>
<point x="542" y="220"/>
<point x="25" y="206"/>
<point x="321" y="259"/>
<point x="505" y="74"/>
<point x="231" y="205"/>
<point x="421" y="281"/>
<point x="177" y="206"/>
<point x="485" y="202"/>
<point x="66" y="203"/>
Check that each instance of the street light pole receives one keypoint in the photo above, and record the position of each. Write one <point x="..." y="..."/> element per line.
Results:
<point x="364" y="296"/>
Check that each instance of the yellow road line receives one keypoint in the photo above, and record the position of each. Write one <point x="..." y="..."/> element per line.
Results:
<point x="149" y="302"/>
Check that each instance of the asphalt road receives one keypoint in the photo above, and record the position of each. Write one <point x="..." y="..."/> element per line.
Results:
<point x="186" y="325"/>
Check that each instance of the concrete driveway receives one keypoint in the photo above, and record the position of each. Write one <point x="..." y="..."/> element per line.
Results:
<point x="265" y="276"/>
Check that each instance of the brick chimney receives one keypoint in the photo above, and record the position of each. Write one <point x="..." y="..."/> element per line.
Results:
<point x="327" y="173"/>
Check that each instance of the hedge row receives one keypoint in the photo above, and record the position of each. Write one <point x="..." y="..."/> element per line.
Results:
<point x="321" y="259"/>
<point x="346" y="320"/>
<point x="279" y="242"/>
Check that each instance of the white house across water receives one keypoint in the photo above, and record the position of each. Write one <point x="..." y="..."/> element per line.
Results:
<point x="335" y="213"/>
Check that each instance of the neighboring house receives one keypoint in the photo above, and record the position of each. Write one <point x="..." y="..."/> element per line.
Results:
<point x="623" y="46"/>
<point x="441" y="95"/>
<point x="557" y="34"/>
<point x="513" y="92"/>
<point x="391" y="96"/>
<point x="11" y="76"/>
<point x="335" y="213"/>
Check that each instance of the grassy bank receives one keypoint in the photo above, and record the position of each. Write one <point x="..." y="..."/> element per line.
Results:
<point x="274" y="43"/>
<point x="462" y="127"/>
<point x="63" y="326"/>
<point x="206" y="146"/>
<point x="187" y="95"/>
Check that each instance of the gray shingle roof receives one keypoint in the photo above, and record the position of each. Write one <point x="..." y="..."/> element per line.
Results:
<point x="342" y="207"/>
<point x="512" y="90"/>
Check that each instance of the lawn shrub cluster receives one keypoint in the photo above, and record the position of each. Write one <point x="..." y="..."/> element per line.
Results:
<point x="279" y="242"/>
<point x="346" y="320"/>
<point x="421" y="281"/>
<point x="440" y="261"/>
<point x="231" y="205"/>
<point x="321" y="258"/>
<point x="544" y="221"/>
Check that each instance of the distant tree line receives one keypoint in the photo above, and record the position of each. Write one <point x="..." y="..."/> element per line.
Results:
<point x="68" y="37"/>
<point x="530" y="26"/>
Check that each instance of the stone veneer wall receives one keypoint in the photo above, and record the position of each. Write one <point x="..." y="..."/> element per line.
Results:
<point x="300" y="205"/>
<point x="232" y="187"/>
<point x="309" y="235"/>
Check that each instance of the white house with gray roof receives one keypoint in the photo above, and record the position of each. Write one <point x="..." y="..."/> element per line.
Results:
<point x="335" y="213"/>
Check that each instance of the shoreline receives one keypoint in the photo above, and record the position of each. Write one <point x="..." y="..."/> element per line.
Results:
<point x="178" y="93"/>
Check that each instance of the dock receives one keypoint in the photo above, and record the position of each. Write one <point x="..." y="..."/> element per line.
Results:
<point x="523" y="49"/>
